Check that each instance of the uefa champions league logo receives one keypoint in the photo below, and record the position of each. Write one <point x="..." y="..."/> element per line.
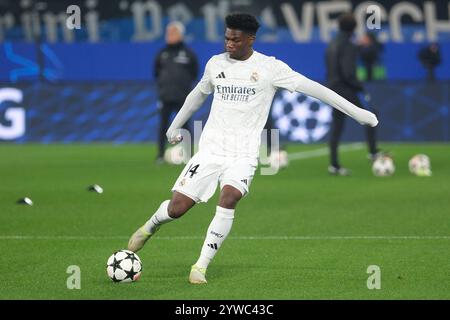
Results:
<point x="301" y="118"/>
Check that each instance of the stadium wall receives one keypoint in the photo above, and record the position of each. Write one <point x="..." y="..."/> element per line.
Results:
<point x="134" y="61"/>
<point x="123" y="112"/>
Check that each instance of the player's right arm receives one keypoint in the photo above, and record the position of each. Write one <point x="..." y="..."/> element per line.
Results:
<point x="193" y="102"/>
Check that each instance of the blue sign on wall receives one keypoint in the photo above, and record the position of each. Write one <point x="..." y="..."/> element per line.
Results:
<point x="134" y="61"/>
<point x="127" y="112"/>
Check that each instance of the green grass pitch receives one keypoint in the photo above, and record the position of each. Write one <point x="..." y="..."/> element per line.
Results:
<point x="300" y="234"/>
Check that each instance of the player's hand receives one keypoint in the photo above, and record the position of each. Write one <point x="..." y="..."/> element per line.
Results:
<point x="368" y="118"/>
<point x="174" y="136"/>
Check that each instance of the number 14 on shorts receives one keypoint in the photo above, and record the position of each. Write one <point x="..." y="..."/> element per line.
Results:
<point x="192" y="170"/>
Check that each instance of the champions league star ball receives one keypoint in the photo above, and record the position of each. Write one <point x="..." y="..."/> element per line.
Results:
<point x="124" y="266"/>
<point x="279" y="159"/>
<point x="420" y="165"/>
<point x="175" y="155"/>
<point x="300" y="117"/>
<point x="383" y="166"/>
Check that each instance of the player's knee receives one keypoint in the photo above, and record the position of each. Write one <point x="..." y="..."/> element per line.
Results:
<point x="177" y="208"/>
<point x="229" y="198"/>
<point x="228" y="203"/>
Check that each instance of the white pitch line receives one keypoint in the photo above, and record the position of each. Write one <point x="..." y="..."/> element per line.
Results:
<point x="22" y="237"/>
<point x="323" y="151"/>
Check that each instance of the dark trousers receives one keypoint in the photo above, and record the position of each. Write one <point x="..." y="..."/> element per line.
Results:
<point x="166" y="111"/>
<point x="430" y="74"/>
<point x="337" y="127"/>
<point x="369" y="69"/>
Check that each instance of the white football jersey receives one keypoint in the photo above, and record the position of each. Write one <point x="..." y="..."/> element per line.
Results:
<point x="243" y="93"/>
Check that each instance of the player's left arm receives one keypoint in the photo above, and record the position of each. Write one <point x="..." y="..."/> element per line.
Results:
<point x="288" y="79"/>
<point x="316" y="90"/>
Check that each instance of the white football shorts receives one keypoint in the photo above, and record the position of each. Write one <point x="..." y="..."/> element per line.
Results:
<point x="204" y="171"/>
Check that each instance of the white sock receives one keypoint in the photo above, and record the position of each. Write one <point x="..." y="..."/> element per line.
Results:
<point x="217" y="232"/>
<point x="160" y="217"/>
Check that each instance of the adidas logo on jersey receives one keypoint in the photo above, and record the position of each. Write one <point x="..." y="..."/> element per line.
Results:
<point x="221" y="75"/>
<point x="212" y="245"/>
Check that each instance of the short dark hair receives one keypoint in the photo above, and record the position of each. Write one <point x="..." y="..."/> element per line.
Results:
<point x="347" y="22"/>
<point x="242" y="21"/>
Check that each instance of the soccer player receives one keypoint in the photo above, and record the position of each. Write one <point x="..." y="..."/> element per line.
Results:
<point x="243" y="83"/>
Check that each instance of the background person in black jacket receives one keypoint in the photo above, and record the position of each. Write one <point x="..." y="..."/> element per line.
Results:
<point x="175" y="69"/>
<point x="430" y="56"/>
<point x="341" y="59"/>
<point x="369" y="50"/>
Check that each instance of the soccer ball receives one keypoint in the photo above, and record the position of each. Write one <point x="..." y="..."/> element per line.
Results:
<point x="175" y="155"/>
<point x="383" y="166"/>
<point x="124" y="266"/>
<point x="419" y="165"/>
<point x="279" y="159"/>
